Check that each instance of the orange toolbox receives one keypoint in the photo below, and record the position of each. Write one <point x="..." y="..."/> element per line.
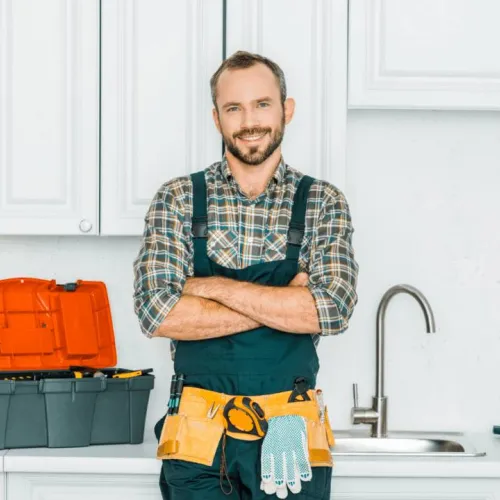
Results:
<point x="58" y="384"/>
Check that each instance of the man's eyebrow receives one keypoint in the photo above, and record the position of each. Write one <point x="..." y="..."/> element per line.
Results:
<point x="235" y="103"/>
<point x="229" y="104"/>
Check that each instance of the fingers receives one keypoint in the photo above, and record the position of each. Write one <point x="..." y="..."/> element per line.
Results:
<point x="293" y="475"/>
<point x="303" y="463"/>
<point x="300" y="279"/>
<point x="267" y="465"/>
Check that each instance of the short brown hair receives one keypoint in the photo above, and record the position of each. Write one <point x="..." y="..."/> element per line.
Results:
<point x="242" y="60"/>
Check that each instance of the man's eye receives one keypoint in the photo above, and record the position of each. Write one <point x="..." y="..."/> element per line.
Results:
<point x="263" y="104"/>
<point x="232" y="108"/>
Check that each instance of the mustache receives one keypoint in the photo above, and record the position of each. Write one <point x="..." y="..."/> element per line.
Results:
<point x="252" y="131"/>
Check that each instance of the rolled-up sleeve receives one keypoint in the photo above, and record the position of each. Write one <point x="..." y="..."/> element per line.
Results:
<point x="333" y="270"/>
<point x="161" y="266"/>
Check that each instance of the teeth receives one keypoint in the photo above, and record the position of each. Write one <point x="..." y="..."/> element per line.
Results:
<point x="253" y="137"/>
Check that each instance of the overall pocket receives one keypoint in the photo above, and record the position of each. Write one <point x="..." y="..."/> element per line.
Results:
<point x="193" y="439"/>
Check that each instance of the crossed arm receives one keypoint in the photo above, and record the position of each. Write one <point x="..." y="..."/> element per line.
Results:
<point x="216" y="306"/>
<point x="170" y="305"/>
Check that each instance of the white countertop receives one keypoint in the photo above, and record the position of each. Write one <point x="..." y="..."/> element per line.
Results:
<point x="140" y="459"/>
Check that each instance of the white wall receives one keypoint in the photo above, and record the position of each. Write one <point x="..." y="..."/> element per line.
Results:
<point x="422" y="187"/>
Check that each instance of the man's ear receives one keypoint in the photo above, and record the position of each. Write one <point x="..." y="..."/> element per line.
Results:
<point x="289" y="106"/>
<point x="215" y="116"/>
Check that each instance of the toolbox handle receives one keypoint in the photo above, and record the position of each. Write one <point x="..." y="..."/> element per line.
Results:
<point x="68" y="287"/>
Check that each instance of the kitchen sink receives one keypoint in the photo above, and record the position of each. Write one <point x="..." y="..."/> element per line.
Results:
<point x="415" y="444"/>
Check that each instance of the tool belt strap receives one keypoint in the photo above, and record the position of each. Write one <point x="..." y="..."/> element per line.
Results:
<point x="196" y="402"/>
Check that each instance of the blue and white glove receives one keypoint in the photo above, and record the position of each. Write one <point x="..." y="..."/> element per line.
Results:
<point x="285" y="456"/>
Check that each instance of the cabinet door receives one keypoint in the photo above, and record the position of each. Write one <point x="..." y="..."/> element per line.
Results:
<point x="407" y="488"/>
<point x="49" y="109"/>
<point x="309" y="42"/>
<point x="157" y="60"/>
<point x="31" y="486"/>
<point x="424" y="54"/>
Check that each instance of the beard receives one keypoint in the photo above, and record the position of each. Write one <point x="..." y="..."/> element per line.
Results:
<point x="254" y="156"/>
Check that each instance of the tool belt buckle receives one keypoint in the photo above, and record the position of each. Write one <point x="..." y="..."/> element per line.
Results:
<point x="244" y="419"/>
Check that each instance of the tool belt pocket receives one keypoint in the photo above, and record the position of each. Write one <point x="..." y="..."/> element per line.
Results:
<point x="319" y="436"/>
<point x="320" y="441"/>
<point x="329" y="433"/>
<point x="193" y="439"/>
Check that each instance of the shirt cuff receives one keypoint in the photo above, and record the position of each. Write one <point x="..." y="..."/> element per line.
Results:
<point x="331" y="321"/>
<point x="152" y="308"/>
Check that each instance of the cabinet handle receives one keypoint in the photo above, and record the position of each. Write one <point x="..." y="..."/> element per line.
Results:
<point x="85" y="226"/>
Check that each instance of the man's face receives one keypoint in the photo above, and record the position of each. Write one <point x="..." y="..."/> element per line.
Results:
<point x="250" y="115"/>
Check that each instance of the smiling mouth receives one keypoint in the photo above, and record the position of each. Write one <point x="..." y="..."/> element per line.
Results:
<point x="252" y="138"/>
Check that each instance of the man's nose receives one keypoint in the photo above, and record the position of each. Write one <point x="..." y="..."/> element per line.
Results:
<point x="249" y="119"/>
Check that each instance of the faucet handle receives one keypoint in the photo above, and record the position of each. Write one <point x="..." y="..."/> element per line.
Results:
<point x="355" y="394"/>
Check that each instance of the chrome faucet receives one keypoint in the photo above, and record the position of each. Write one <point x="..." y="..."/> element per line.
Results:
<point x="377" y="415"/>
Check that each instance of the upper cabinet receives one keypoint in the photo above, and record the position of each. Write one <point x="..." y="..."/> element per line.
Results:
<point x="156" y="119"/>
<point x="425" y="54"/>
<point x="49" y="116"/>
<point x="309" y="42"/>
<point x="102" y="101"/>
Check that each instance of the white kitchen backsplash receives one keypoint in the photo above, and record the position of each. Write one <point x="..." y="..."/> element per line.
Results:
<point x="423" y="191"/>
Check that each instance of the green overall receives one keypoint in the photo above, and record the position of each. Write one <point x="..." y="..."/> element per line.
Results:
<point x="256" y="362"/>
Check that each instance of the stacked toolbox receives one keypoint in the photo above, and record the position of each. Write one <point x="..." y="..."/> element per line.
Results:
<point x="45" y="329"/>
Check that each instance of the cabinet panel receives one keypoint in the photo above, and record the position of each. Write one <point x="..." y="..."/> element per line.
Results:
<point x="158" y="57"/>
<point x="49" y="103"/>
<point x="29" y="486"/>
<point x="309" y="42"/>
<point x="426" y="54"/>
<point x="401" y="488"/>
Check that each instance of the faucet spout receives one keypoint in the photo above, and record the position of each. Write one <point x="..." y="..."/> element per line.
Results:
<point x="376" y="416"/>
<point x="382" y="308"/>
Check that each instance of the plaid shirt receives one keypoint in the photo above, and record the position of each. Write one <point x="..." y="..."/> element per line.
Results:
<point x="243" y="232"/>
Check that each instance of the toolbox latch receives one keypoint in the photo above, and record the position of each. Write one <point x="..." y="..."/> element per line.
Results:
<point x="70" y="287"/>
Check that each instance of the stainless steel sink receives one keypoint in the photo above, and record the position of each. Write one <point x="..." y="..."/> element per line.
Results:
<point x="415" y="444"/>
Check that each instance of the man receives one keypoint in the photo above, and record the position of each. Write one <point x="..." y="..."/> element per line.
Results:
<point x="244" y="266"/>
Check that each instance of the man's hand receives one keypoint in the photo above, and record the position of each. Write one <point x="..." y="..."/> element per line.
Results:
<point x="300" y="279"/>
<point x="192" y="285"/>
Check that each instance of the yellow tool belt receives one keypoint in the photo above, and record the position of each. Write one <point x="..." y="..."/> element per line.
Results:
<point x="194" y="433"/>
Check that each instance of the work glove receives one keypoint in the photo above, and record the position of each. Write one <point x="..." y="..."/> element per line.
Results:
<point x="285" y="456"/>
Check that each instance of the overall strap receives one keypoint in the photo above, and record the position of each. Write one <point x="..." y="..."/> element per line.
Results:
<point x="298" y="220"/>
<point x="200" y="221"/>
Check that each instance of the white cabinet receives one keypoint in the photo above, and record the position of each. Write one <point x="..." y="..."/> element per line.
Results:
<point x="309" y="42"/>
<point x="107" y="486"/>
<point x="49" y="116"/>
<point x="157" y="60"/>
<point x="36" y="486"/>
<point x="424" y="54"/>
<point x="402" y="488"/>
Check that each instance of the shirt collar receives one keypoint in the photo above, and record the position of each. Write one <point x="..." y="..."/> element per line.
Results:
<point x="278" y="175"/>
